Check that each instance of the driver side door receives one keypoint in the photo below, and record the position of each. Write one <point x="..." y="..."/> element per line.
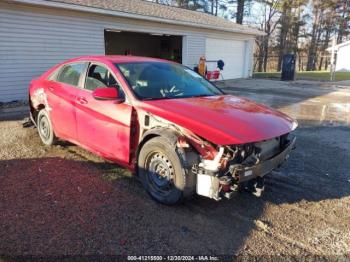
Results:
<point x="103" y="126"/>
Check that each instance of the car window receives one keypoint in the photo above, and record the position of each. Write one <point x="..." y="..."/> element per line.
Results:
<point x="70" y="74"/>
<point x="54" y="74"/>
<point x="159" y="80"/>
<point x="99" y="76"/>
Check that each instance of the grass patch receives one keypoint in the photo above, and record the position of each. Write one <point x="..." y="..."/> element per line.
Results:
<point x="307" y="75"/>
<point x="267" y="75"/>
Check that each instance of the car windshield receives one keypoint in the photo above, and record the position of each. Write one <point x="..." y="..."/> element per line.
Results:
<point x="160" y="80"/>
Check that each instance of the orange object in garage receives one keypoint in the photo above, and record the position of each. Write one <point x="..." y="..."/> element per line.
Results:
<point x="201" y="66"/>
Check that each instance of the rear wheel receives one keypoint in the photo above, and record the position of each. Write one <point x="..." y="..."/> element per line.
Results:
<point x="45" y="129"/>
<point x="161" y="171"/>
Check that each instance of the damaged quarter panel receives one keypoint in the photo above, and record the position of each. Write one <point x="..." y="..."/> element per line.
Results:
<point x="58" y="96"/>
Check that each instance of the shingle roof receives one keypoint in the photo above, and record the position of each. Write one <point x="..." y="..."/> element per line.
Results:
<point x="149" y="9"/>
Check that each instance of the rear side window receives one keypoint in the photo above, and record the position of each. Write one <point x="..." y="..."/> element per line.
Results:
<point x="70" y="74"/>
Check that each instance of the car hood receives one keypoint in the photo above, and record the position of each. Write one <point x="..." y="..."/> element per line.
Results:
<point x="223" y="120"/>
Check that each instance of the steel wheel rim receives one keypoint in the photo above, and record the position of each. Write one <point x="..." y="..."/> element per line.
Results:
<point x="160" y="173"/>
<point x="44" y="128"/>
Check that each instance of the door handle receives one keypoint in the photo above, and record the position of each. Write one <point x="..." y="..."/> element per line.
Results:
<point x="51" y="88"/>
<point x="82" y="100"/>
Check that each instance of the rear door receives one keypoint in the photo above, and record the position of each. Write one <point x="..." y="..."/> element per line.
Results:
<point x="103" y="125"/>
<point x="63" y="90"/>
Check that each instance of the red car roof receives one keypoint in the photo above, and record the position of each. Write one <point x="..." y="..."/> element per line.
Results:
<point x="104" y="59"/>
<point x="118" y="58"/>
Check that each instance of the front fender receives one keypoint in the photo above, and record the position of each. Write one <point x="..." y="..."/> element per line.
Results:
<point x="170" y="134"/>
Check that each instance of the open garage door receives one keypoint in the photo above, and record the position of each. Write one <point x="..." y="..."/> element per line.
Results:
<point x="142" y="44"/>
<point x="232" y="52"/>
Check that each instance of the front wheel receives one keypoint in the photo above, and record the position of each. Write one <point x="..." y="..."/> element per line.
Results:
<point x="45" y="129"/>
<point x="161" y="171"/>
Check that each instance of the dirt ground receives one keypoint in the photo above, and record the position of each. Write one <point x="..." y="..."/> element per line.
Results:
<point x="65" y="201"/>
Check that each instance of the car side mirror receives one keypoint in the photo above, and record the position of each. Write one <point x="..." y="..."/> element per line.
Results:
<point x="107" y="93"/>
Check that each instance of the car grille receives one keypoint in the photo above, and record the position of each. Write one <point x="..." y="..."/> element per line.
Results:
<point x="268" y="148"/>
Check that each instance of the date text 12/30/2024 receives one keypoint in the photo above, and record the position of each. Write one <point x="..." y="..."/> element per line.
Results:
<point x="173" y="258"/>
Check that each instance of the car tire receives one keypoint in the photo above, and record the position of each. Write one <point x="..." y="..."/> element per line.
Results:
<point x="162" y="171"/>
<point x="45" y="128"/>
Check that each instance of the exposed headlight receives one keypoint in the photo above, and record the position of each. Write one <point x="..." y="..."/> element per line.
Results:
<point x="294" y="125"/>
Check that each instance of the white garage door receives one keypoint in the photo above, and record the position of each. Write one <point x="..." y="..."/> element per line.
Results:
<point x="232" y="52"/>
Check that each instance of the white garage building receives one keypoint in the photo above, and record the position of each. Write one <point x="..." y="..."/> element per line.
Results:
<point x="37" y="34"/>
<point x="343" y="55"/>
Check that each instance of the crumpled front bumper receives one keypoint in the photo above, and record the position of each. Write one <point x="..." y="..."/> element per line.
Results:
<point x="245" y="173"/>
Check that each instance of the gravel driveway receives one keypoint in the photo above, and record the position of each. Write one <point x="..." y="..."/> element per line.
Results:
<point x="63" y="200"/>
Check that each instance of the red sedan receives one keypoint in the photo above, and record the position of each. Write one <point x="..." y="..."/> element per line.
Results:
<point x="179" y="133"/>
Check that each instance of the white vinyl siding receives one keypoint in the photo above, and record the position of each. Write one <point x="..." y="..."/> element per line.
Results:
<point x="31" y="43"/>
<point x="33" y="39"/>
<point x="343" y="62"/>
<point x="195" y="48"/>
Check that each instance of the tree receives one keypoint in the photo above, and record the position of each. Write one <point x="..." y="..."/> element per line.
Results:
<point x="327" y="29"/>
<point x="342" y="9"/>
<point x="325" y="23"/>
<point x="212" y="6"/>
<point x="317" y="12"/>
<point x="240" y="11"/>
<point x="290" y="24"/>
<point x="284" y="23"/>
<point x="191" y="4"/>
<point x="196" y="5"/>
<point x="301" y="27"/>
<point x="268" y="25"/>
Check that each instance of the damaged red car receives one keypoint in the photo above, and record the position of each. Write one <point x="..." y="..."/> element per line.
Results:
<point x="175" y="130"/>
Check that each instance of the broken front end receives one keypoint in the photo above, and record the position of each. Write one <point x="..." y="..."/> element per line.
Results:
<point x="226" y="169"/>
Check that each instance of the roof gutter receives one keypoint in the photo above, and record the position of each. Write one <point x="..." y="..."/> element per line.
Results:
<point x="246" y="31"/>
<point x="336" y="47"/>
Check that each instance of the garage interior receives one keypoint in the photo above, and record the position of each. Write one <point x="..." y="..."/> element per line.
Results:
<point x="162" y="46"/>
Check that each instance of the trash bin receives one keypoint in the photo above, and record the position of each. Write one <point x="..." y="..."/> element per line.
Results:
<point x="288" y="67"/>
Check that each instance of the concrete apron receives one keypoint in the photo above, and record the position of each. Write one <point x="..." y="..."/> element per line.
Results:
<point x="310" y="102"/>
